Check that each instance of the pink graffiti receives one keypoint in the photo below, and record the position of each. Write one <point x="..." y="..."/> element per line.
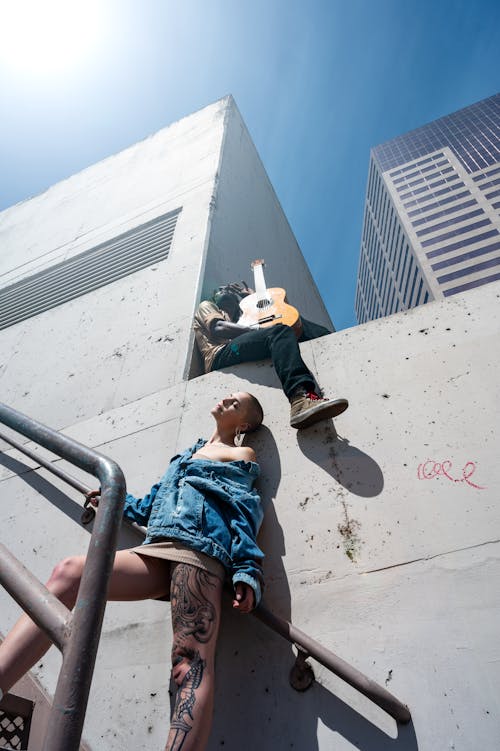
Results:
<point x="430" y="469"/>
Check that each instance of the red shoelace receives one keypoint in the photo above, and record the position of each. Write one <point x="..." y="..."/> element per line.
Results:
<point x="312" y="396"/>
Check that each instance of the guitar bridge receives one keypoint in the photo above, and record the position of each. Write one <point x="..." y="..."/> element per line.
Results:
<point x="273" y="317"/>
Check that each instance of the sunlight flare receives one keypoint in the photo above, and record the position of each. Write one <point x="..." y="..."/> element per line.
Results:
<point x="47" y="36"/>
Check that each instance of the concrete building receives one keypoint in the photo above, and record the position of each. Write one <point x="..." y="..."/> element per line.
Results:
<point x="432" y="213"/>
<point x="380" y="531"/>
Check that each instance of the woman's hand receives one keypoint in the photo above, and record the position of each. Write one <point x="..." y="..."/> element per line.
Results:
<point x="93" y="497"/>
<point x="244" y="598"/>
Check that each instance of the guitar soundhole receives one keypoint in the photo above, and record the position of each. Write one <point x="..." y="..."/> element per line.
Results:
<point x="264" y="304"/>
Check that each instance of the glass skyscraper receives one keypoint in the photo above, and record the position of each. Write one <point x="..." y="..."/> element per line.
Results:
<point x="432" y="213"/>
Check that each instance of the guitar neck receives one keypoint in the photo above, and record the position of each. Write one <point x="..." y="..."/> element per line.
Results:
<point x="268" y="307"/>
<point x="259" y="281"/>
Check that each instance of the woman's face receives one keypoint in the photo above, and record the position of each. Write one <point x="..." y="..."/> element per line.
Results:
<point x="231" y="412"/>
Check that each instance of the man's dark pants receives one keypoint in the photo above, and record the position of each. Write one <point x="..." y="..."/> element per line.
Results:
<point x="277" y="342"/>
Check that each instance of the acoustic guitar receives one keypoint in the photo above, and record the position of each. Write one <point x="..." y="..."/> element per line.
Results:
<point x="267" y="306"/>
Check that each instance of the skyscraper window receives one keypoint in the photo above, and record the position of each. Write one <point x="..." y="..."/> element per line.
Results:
<point x="423" y="189"/>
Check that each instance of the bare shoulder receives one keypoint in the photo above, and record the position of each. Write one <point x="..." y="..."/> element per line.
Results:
<point x="245" y="453"/>
<point x="217" y="452"/>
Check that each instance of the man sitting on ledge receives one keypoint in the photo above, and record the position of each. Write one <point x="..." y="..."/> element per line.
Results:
<point x="224" y="342"/>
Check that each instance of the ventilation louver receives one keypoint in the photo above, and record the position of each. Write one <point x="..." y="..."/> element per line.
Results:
<point x="112" y="260"/>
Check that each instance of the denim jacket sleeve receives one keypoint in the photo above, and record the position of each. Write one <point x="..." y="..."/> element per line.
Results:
<point x="245" y="553"/>
<point x="139" y="509"/>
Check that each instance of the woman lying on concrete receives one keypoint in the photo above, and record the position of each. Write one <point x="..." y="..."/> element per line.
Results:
<point x="202" y="518"/>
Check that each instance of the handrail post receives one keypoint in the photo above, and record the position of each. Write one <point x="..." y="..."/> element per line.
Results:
<point x="80" y="647"/>
<point x="73" y="686"/>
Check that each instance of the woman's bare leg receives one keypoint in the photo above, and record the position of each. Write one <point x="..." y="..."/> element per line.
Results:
<point x="196" y="603"/>
<point x="134" y="577"/>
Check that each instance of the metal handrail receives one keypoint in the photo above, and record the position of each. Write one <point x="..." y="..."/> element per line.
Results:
<point x="302" y="675"/>
<point x="75" y="633"/>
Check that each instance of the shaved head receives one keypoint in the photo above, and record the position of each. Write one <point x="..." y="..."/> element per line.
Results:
<point x="255" y="413"/>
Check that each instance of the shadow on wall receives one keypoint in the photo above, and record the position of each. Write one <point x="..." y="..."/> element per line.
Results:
<point x="271" y="537"/>
<point x="347" y="464"/>
<point x="359" y="731"/>
<point x="128" y="537"/>
<point x="52" y="494"/>
<point x="255" y="706"/>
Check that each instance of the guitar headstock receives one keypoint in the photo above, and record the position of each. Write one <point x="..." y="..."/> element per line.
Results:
<point x="257" y="262"/>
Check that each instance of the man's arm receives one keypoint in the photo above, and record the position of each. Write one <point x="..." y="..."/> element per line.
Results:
<point x="228" y="330"/>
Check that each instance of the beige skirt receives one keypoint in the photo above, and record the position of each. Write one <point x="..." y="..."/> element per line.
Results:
<point x="170" y="550"/>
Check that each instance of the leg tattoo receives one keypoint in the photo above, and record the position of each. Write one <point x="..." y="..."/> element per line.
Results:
<point x="194" y="622"/>
<point x="182" y="719"/>
<point x="192" y="613"/>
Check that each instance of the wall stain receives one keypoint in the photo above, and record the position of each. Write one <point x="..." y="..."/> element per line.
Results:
<point x="303" y="504"/>
<point x="349" y="531"/>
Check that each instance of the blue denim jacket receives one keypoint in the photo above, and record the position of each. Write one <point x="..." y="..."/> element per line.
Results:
<point x="209" y="506"/>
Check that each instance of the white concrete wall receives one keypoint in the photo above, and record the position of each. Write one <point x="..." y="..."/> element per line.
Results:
<point x="249" y="223"/>
<point x="398" y="575"/>
<point x="130" y="338"/>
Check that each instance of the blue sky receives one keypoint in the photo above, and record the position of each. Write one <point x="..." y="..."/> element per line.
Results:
<point x="317" y="83"/>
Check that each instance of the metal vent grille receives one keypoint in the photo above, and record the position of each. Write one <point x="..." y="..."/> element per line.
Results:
<point x="132" y="251"/>
<point x="15" y="722"/>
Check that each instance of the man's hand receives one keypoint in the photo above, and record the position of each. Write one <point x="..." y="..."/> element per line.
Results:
<point x="244" y="599"/>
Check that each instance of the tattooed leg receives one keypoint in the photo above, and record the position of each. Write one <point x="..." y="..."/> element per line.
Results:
<point x="183" y="719"/>
<point x="195" y="598"/>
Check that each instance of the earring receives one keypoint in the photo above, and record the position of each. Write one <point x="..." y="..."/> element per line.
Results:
<point x="238" y="438"/>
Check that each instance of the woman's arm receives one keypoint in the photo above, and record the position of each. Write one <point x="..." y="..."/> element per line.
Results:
<point x="139" y="509"/>
<point x="245" y="553"/>
<point x="244" y="597"/>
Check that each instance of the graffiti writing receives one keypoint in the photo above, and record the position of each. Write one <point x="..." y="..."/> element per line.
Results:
<point x="430" y="469"/>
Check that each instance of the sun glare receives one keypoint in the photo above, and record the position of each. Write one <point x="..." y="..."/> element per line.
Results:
<point x="47" y="36"/>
